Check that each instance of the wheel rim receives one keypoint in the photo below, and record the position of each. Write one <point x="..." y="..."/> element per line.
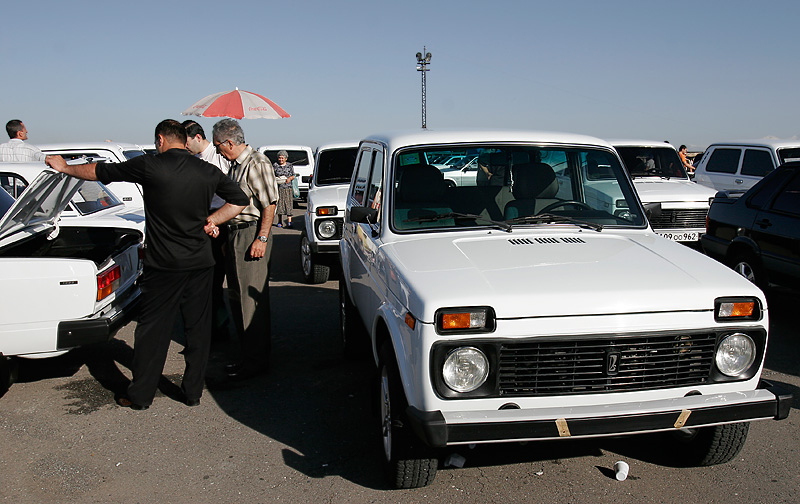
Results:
<point x="744" y="269"/>
<point x="305" y="256"/>
<point x="386" y="415"/>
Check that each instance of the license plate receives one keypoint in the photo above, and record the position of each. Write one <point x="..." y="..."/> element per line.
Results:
<point x="682" y="236"/>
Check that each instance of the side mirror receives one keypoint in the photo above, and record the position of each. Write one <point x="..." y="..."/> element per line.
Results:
<point x="363" y="215"/>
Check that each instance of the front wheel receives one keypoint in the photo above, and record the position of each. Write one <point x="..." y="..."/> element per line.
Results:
<point x="408" y="464"/>
<point x="313" y="272"/>
<point x="709" y="446"/>
<point x="747" y="264"/>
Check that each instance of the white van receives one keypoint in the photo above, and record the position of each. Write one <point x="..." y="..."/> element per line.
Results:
<point x="302" y="159"/>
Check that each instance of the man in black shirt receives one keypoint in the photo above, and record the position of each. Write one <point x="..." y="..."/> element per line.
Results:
<point x="178" y="263"/>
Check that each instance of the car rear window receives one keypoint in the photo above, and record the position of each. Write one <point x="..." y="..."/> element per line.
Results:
<point x="786" y="155"/>
<point x="336" y="166"/>
<point x="296" y="157"/>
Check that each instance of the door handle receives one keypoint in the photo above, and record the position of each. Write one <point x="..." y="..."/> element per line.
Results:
<point x="738" y="181"/>
<point x="764" y="223"/>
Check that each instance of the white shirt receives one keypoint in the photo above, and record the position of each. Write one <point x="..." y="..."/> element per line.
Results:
<point x="211" y="155"/>
<point x="17" y="150"/>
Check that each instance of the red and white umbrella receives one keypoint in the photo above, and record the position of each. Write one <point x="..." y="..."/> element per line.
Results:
<point x="238" y="105"/>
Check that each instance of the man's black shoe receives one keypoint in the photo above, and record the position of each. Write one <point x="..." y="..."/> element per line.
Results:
<point x="127" y="403"/>
<point x="192" y="402"/>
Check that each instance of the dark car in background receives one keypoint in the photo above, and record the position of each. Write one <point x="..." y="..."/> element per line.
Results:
<point x="757" y="232"/>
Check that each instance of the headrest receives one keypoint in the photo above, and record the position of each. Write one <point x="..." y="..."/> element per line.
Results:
<point x="421" y="182"/>
<point x="533" y="181"/>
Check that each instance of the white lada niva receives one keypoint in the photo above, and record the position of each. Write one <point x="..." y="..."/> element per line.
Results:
<point x="538" y="304"/>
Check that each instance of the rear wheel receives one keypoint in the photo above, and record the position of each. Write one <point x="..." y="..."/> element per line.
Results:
<point x="709" y="446"/>
<point x="8" y="373"/>
<point x="313" y="272"/>
<point x="408" y="463"/>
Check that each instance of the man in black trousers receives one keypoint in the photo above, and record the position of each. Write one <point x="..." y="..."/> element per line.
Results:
<point x="178" y="262"/>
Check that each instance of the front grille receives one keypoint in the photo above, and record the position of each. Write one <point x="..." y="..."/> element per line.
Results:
<point x="672" y="219"/>
<point x="585" y="366"/>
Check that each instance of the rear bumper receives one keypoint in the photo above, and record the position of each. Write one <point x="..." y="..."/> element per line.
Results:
<point x="440" y="429"/>
<point x="75" y="333"/>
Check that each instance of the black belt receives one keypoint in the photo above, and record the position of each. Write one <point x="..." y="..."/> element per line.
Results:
<point x="242" y="225"/>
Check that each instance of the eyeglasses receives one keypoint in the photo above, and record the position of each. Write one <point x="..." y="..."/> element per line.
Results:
<point x="217" y="145"/>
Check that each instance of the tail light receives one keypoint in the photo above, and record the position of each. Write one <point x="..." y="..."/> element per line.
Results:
<point x="107" y="282"/>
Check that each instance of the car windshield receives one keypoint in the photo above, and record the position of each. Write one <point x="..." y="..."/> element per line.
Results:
<point x="652" y="162"/>
<point x="789" y="154"/>
<point x="514" y="186"/>
<point x="296" y="157"/>
<point x="335" y="166"/>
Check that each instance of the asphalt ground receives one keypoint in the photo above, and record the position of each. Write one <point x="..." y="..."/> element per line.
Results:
<point x="304" y="433"/>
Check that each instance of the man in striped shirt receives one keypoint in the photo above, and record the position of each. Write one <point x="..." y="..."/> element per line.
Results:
<point x="16" y="149"/>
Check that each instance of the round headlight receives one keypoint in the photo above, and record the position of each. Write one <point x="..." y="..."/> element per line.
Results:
<point x="736" y="353"/>
<point x="327" y="229"/>
<point x="465" y="369"/>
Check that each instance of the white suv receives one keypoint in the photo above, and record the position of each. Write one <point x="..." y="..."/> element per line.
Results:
<point x="739" y="165"/>
<point x="327" y="193"/>
<point x="675" y="206"/>
<point x="539" y="305"/>
<point x="302" y="159"/>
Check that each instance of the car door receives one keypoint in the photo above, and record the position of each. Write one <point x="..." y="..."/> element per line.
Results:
<point x="756" y="163"/>
<point x="776" y="230"/>
<point x="721" y="169"/>
<point x="363" y="239"/>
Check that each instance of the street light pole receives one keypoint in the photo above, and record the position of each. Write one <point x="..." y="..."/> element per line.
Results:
<point x="423" y="60"/>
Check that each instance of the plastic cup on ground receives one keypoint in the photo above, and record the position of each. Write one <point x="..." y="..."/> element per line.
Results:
<point x="621" y="470"/>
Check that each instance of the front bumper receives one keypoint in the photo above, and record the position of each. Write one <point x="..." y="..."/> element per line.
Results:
<point x="439" y="429"/>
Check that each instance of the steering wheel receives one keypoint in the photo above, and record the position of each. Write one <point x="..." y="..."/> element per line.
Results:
<point x="557" y="204"/>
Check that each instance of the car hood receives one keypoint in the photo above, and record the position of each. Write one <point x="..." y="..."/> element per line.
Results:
<point x="535" y="274"/>
<point x="329" y="195"/>
<point x="654" y="190"/>
<point x="40" y="205"/>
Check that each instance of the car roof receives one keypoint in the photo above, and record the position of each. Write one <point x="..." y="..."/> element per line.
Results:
<point x="286" y="147"/>
<point x="27" y="170"/>
<point x="397" y="140"/>
<point x="89" y="145"/>
<point x="764" y="142"/>
<point x="639" y="143"/>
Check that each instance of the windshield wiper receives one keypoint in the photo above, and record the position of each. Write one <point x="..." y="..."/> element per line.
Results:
<point x="458" y="215"/>
<point x="549" y="218"/>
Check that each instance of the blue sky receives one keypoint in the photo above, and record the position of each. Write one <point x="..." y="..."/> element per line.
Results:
<point x="688" y="72"/>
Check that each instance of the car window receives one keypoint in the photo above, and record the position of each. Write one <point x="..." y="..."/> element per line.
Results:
<point x="93" y="197"/>
<point x="757" y="162"/>
<point x="130" y="154"/>
<point x="788" y="201"/>
<point x="376" y="181"/>
<point x="763" y="191"/>
<point x="360" y="182"/>
<point x="13" y="184"/>
<point x="652" y="162"/>
<point x="335" y="166"/>
<point x="518" y="184"/>
<point x="6" y="200"/>
<point x="789" y="154"/>
<point x="724" y="161"/>
<point x="296" y="157"/>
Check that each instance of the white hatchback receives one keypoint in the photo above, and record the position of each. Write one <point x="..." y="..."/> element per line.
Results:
<point x="739" y="165"/>
<point x="539" y="304"/>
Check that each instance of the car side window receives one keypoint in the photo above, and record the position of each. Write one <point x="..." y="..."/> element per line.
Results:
<point x="788" y="201"/>
<point x="724" y="161"/>
<point x="763" y="192"/>
<point x="756" y="162"/>
<point x="360" y="183"/>
<point x="13" y="184"/>
<point x="374" y="195"/>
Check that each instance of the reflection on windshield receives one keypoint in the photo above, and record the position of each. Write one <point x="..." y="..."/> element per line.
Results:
<point x="652" y="162"/>
<point x="516" y="185"/>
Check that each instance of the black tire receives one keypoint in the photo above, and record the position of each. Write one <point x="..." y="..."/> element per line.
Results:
<point x="747" y="264"/>
<point x="351" y="330"/>
<point x="313" y="271"/>
<point x="709" y="446"/>
<point x="8" y="373"/>
<point x="407" y="461"/>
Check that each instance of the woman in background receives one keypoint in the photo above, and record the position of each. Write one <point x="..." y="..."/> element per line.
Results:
<point x="284" y="174"/>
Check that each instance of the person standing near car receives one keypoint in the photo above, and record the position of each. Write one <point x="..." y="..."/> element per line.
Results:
<point x="178" y="263"/>
<point x="16" y="150"/>
<point x="284" y="174"/>
<point x="197" y="144"/>
<point x="249" y="249"/>
<point x="685" y="161"/>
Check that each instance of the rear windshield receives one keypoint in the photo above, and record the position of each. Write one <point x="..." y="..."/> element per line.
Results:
<point x="335" y="166"/>
<point x="790" y="154"/>
<point x="296" y="157"/>
<point x="652" y="162"/>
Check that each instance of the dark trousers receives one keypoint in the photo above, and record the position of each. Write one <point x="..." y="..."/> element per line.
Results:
<point x="248" y="294"/>
<point x="165" y="296"/>
<point x="219" y="315"/>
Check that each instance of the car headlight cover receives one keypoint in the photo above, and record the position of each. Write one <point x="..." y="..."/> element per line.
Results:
<point x="327" y="210"/>
<point x="727" y="309"/>
<point x="465" y="369"/>
<point x="465" y="320"/>
<point x="327" y="229"/>
<point x="735" y="354"/>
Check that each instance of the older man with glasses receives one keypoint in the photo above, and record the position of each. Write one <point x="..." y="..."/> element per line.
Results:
<point x="249" y="248"/>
